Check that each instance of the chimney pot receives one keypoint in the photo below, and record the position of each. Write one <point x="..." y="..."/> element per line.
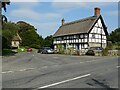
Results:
<point x="96" y="11"/>
<point x="63" y="21"/>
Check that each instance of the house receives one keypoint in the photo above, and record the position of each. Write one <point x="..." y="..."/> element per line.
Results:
<point x="82" y="34"/>
<point x="16" y="41"/>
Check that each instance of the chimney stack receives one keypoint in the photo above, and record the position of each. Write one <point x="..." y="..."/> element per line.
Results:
<point x="96" y="11"/>
<point x="63" y="21"/>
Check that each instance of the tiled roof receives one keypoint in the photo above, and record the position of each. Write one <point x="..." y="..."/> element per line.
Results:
<point x="75" y="27"/>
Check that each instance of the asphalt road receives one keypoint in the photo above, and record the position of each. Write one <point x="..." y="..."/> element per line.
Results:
<point x="33" y="70"/>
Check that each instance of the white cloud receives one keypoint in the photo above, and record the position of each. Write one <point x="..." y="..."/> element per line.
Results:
<point x="34" y="15"/>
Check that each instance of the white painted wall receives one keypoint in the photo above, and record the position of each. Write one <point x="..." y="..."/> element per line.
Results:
<point x="97" y="31"/>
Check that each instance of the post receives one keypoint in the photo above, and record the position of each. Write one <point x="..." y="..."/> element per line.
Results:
<point x="101" y="37"/>
<point x="0" y="43"/>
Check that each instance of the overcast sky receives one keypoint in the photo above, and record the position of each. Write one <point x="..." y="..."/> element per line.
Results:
<point x="46" y="16"/>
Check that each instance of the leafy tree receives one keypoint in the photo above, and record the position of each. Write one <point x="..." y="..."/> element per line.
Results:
<point x="29" y="35"/>
<point x="115" y="36"/>
<point x="48" y="41"/>
<point x="9" y="30"/>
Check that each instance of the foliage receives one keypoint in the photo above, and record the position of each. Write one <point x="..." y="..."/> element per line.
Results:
<point x="115" y="36"/>
<point x="29" y="35"/>
<point x="105" y="52"/>
<point x="7" y="51"/>
<point x="9" y="29"/>
<point x="109" y="45"/>
<point x="60" y="49"/>
<point x="48" y="41"/>
<point x="21" y="50"/>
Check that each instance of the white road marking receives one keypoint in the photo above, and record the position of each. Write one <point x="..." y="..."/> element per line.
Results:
<point x="3" y="72"/>
<point x="7" y="72"/>
<point x="89" y="61"/>
<point x="18" y="70"/>
<point x="54" y="84"/>
<point x="45" y="67"/>
<point x="22" y="70"/>
<point x="117" y="66"/>
<point x="10" y="71"/>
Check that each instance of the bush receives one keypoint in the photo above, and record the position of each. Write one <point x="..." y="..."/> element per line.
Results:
<point x="105" y="52"/>
<point x="35" y="46"/>
<point x="21" y="50"/>
<point x="7" y="51"/>
<point x="61" y="52"/>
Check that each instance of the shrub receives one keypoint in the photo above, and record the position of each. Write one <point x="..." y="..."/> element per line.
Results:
<point x="35" y="46"/>
<point x="105" y="52"/>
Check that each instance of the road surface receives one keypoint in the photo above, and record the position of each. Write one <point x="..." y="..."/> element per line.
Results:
<point x="37" y="71"/>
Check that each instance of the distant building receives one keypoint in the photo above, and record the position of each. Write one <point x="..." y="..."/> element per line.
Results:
<point x="16" y="41"/>
<point x="82" y="34"/>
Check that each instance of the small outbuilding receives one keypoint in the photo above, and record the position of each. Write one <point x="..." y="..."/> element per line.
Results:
<point x="15" y="43"/>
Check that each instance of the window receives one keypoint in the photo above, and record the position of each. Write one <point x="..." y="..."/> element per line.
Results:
<point x="81" y="36"/>
<point x="59" y="39"/>
<point x="14" y="43"/>
<point x="71" y="37"/>
<point x="93" y="35"/>
<point x="64" y="37"/>
<point x="74" y="36"/>
<point x="86" y="35"/>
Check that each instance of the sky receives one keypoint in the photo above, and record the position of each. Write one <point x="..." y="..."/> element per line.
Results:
<point x="47" y="16"/>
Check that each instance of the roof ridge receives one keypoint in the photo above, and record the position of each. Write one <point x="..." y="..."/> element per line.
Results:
<point x="76" y="21"/>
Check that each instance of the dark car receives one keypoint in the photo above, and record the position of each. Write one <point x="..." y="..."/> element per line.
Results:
<point x="46" y="50"/>
<point x="96" y="48"/>
<point x="93" y="50"/>
<point x="90" y="52"/>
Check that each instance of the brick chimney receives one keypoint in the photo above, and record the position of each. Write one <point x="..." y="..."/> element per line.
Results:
<point x="63" y="21"/>
<point x="96" y="11"/>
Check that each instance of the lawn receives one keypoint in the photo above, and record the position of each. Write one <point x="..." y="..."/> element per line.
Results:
<point x="7" y="52"/>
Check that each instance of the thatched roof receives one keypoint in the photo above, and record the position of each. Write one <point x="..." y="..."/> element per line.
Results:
<point x="76" y="27"/>
<point x="16" y="38"/>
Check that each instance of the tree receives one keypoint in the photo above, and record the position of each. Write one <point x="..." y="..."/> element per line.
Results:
<point x="29" y="35"/>
<point x="115" y="36"/>
<point x="9" y="30"/>
<point x="48" y="41"/>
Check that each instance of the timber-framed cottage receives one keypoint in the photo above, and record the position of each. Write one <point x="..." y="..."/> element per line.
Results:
<point x="82" y="34"/>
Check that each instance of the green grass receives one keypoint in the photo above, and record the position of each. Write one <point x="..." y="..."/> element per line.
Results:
<point x="21" y="50"/>
<point x="24" y="49"/>
<point x="7" y="51"/>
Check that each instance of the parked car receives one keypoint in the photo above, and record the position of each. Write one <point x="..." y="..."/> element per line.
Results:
<point x="29" y="49"/>
<point x="46" y="50"/>
<point x="90" y="52"/>
<point x="94" y="50"/>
